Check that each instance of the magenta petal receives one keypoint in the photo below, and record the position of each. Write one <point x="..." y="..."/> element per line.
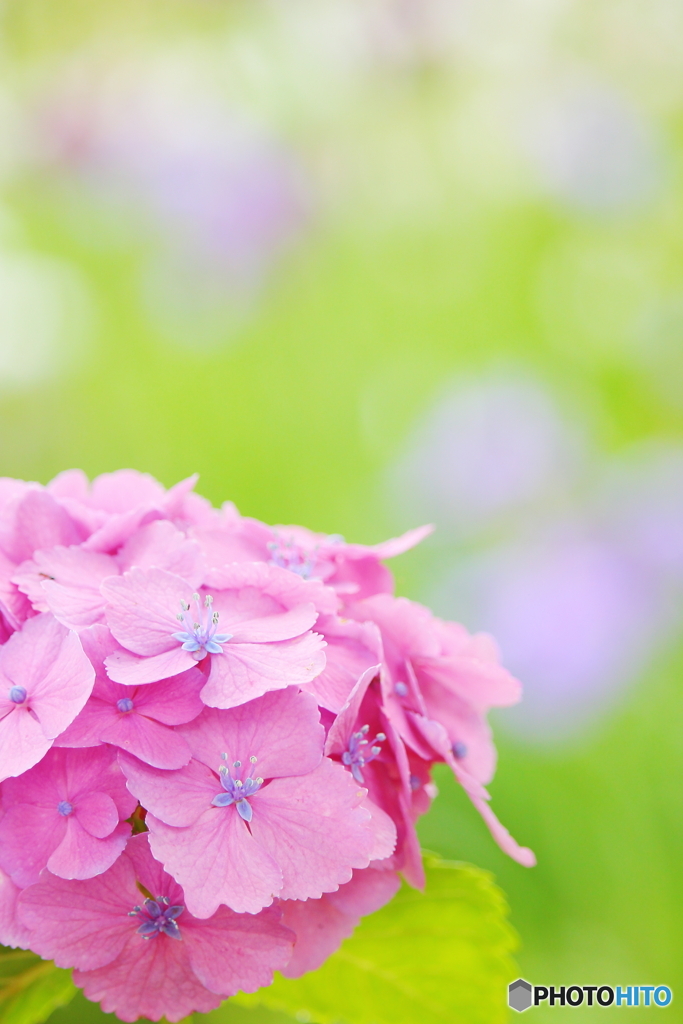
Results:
<point x="12" y="932"/>
<point x="150" y="980"/>
<point x="80" y="855"/>
<point x="232" y="951"/>
<point x="245" y="671"/>
<point x="81" y="923"/>
<point x="130" y="670"/>
<point x="97" y="814"/>
<point x="86" y="727"/>
<point x="281" y="730"/>
<point x="314" y="828"/>
<point x="177" y="798"/>
<point x="153" y="743"/>
<point x="217" y="861"/>
<point x="143" y="607"/>
<point x="28" y="837"/>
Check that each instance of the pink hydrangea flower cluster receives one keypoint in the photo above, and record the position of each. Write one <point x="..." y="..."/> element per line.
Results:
<point x="215" y="738"/>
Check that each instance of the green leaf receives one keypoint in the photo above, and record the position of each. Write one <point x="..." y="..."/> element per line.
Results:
<point x="31" y="988"/>
<point x="444" y="955"/>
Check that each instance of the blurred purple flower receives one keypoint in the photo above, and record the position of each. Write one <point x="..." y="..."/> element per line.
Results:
<point x="581" y="589"/>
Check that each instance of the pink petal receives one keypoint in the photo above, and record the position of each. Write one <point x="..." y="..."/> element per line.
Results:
<point x="282" y="626"/>
<point x="36" y="521"/>
<point x="217" y="861"/>
<point x="22" y="743"/>
<point x="245" y="671"/>
<point x="12" y="932"/>
<point x="153" y="743"/>
<point x="178" y="798"/>
<point x="143" y="607"/>
<point x="125" y="489"/>
<point x="396" y="546"/>
<point x="383" y="831"/>
<point x="160" y="544"/>
<point x="81" y="923"/>
<point x="173" y="701"/>
<point x="232" y="951"/>
<point x="342" y="728"/>
<point x="66" y="581"/>
<point x="80" y="855"/>
<point x="352" y="647"/>
<point x="28" y="836"/>
<point x="321" y="925"/>
<point x="314" y="828"/>
<point x="97" y="814"/>
<point x="281" y="729"/>
<point x="280" y="586"/>
<point x="130" y="670"/>
<point x="149" y="979"/>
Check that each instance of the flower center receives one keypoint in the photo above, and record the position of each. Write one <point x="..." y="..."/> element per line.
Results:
<point x="125" y="704"/>
<point x="236" y="790"/>
<point x="64" y="808"/>
<point x="156" y="917"/>
<point x="459" y="749"/>
<point x="288" y="555"/>
<point x="17" y="694"/>
<point x="199" y="636"/>
<point x="356" y="757"/>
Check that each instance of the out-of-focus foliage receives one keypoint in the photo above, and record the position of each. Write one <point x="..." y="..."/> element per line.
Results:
<point x="31" y="988"/>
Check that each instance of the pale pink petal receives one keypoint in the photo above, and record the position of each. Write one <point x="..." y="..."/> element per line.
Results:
<point x="395" y="546"/>
<point x="66" y="581"/>
<point x="149" y="979"/>
<point x="483" y="684"/>
<point x="86" y="727"/>
<point x="283" y="626"/>
<point x="130" y="670"/>
<point x="143" y="607"/>
<point x="125" y="489"/>
<point x="96" y="813"/>
<point x="284" y="588"/>
<point x="70" y="483"/>
<point x="118" y="527"/>
<point x="180" y="797"/>
<point x="281" y="730"/>
<point x="217" y="861"/>
<point x="321" y="925"/>
<point x="314" y="828"/>
<point x="81" y="923"/>
<point x="159" y="544"/>
<point x="245" y="671"/>
<point x="152" y="742"/>
<point x="34" y="521"/>
<point x="80" y="855"/>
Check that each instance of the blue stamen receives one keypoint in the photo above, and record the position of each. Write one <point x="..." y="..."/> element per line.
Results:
<point x="459" y="749"/>
<point x="17" y="694"/>
<point x="287" y="555"/>
<point x="355" y="757"/>
<point x="157" y="917"/>
<point x="125" y="705"/>
<point x="415" y="782"/>
<point x="64" y="808"/>
<point x="199" y="636"/>
<point x="401" y="689"/>
<point x="237" y="791"/>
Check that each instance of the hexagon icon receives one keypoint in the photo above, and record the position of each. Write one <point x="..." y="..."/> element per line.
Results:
<point x="519" y="995"/>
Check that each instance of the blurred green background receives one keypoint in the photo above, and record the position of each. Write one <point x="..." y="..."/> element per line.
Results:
<point x="367" y="263"/>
